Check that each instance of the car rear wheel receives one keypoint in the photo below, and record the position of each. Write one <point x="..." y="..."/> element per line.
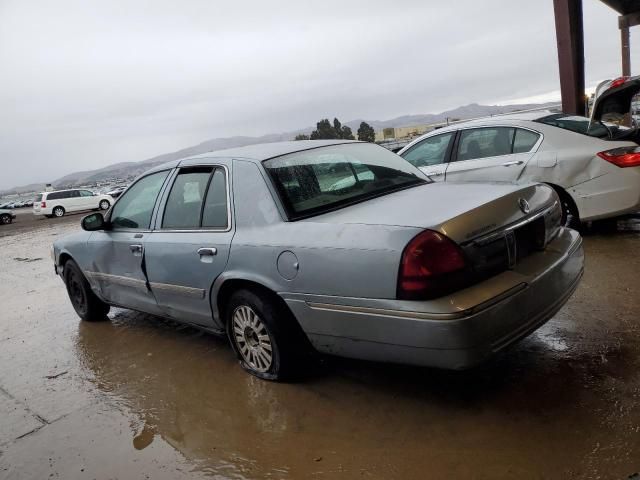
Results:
<point x="104" y="205"/>
<point x="5" y="219"/>
<point x="86" y="304"/>
<point x="58" y="212"/>
<point x="264" y="335"/>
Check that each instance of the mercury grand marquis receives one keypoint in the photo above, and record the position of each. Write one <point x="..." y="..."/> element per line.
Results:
<point x="336" y="247"/>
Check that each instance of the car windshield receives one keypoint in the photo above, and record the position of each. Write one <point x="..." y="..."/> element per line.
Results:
<point x="576" y="123"/>
<point x="322" y="179"/>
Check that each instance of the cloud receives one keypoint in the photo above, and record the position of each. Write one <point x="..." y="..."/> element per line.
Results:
<point x="86" y="84"/>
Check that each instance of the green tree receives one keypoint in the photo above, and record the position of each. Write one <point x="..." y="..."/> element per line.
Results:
<point x="302" y="136"/>
<point x="346" y="133"/>
<point x="324" y="131"/>
<point x="366" y="133"/>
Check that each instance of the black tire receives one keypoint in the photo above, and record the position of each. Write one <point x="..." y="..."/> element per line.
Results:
<point x="86" y="304"/>
<point x="5" y="219"/>
<point x="289" y="346"/>
<point x="58" y="212"/>
<point x="104" y="205"/>
<point x="570" y="214"/>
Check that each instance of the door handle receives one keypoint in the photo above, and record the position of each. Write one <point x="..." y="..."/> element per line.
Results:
<point x="433" y="174"/>
<point x="207" y="252"/>
<point x="515" y="162"/>
<point x="136" y="249"/>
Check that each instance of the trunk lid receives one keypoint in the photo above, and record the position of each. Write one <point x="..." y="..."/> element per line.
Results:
<point x="612" y="99"/>
<point x="461" y="211"/>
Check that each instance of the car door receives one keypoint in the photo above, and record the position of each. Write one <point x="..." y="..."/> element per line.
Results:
<point x="118" y="266"/>
<point x="431" y="155"/>
<point x="189" y="246"/>
<point x="496" y="153"/>
<point x="87" y="200"/>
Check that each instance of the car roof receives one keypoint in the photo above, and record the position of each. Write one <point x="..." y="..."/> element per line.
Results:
<point x="265" y="151"/>
<point x="256" y="153"/>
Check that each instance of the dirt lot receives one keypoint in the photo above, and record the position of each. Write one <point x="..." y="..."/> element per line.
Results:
<point x="138" y="397"/>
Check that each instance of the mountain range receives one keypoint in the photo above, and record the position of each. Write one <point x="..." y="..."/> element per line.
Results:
<point x="128" y="169"/>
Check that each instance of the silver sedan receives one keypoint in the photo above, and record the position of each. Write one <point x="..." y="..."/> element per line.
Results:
<point x="335" y="247"/>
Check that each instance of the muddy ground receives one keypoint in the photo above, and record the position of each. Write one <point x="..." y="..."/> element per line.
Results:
<point x="139" y="397"/>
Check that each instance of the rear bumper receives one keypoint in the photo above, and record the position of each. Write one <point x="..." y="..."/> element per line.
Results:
<point x="454" y="332"/>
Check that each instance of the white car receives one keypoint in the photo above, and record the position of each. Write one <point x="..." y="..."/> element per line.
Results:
<point x="593" y="164"/>
<point x="56" y="204"/>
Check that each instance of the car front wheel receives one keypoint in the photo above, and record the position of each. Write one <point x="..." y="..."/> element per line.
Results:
<point x="265" y="337"/>
<point x="5" y="219"/>
<point x="86" y="304"/>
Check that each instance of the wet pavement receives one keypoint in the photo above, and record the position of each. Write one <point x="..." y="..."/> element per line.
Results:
<point x="140" y="397"/>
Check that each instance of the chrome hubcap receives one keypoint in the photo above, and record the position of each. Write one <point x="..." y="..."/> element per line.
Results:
<point x="104" y="205"/>
<point x="252" y="339"/>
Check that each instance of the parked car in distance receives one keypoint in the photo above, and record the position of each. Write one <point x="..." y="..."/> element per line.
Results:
<point x="57" y="203"/>
<point x="258" y="243"/>
<point x="116" y="192"/>
<point x="593" y="165"/>
<point x="6" y="216"/>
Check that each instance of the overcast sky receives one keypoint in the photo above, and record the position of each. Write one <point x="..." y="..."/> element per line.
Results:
<point x="85" y="84"/>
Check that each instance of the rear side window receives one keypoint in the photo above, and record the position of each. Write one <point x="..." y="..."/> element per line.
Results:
<point x="134" y="208"/>
<point x="431" y="151"/>
<point x="38" y="198"/>
<point x="186" y="198"/>
<point x="524" y="140"/>
<point x="485" y="142"/>
<point x="214" y="214"/>
<point x="198" y="198"/>
<point x="57" y="195"/>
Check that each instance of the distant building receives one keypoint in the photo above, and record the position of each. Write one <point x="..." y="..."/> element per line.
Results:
<point x="48" y="187"/>
<point x="402" y="132"/>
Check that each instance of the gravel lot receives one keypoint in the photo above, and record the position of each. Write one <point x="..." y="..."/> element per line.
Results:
<point x="140" y="397"/>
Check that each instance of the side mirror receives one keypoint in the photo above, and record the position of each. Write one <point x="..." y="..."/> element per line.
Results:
<point x="93" y="222"/>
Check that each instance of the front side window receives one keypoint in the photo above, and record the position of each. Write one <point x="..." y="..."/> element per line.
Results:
<point x="134" y="208"/>
<point x="198" y="199"/>
<point x="322" y="179"/>
<point x="431" y="151"/>
<point x="484" y="142"/>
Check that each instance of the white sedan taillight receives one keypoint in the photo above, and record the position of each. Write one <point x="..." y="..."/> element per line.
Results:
<point x="622" y="157"/>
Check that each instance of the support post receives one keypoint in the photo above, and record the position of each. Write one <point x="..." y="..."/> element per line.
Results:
<point x="570" y="40"/>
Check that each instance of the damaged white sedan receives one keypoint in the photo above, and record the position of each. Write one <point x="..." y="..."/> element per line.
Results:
<point x="592" y="163"/>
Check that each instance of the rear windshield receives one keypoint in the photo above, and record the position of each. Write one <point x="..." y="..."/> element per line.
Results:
<point x="38" y="198"/>
<point x="323" y="179"/>
<point x="576" y="124"/>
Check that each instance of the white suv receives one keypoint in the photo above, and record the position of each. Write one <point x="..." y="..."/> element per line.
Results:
<point x="56" y="204"/>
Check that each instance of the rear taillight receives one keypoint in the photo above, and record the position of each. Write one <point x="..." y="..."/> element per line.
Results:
<point x="43" y="205"/>
<point x="618" y="81"/>
<point x="432" y="265"/>
<point x="622" y="157"/>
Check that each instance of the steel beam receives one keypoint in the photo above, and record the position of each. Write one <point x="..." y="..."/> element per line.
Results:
<point x="570" y="40"/>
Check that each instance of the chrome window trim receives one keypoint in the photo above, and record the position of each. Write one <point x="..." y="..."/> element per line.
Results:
<point x="158" y="220"/>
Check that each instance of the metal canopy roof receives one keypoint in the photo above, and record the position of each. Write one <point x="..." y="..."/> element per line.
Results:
<point x="624" y="7"/>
